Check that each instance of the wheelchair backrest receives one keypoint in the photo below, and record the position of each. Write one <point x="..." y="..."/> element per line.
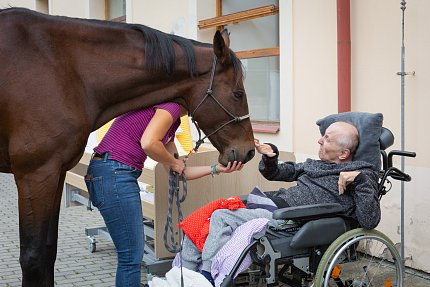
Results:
<point x="385" y="141"/>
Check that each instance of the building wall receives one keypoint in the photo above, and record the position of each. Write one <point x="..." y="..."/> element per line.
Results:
<point x="308" y="43"/>
<point x="30" y="4"/>
<point x="375" y="46"/>
<point x="376" y="58"/>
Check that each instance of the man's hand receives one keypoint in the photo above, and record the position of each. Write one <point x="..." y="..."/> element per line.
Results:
<point x="263" y="148"/>
<point x="345" y="178"/>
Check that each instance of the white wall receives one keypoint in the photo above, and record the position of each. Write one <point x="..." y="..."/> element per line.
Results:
<point x="376" y="44"/>
<point x="76" y="8"/>
<point x="156" y="15"/>
<point x="30" y="4"/>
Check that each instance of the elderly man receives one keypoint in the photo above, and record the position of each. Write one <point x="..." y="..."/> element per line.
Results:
<point x="335" y="178"/>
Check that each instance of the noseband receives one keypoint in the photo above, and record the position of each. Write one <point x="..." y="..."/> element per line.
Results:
<point x="209" y="93"/>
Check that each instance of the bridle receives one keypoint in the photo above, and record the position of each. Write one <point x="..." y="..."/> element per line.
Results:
<point x="209" y="93"/>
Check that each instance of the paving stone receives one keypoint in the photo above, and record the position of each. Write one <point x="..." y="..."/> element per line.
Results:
<point x="75" y="264"/>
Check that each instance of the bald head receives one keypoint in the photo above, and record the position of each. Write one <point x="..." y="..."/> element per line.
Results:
<point x="339" y="142"/>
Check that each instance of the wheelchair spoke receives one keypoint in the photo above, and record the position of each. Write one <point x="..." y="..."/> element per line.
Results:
<point x="360" y="258"/>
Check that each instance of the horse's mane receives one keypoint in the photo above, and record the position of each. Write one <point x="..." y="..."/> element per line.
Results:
<point x="159" y="49"/>
<point x="159" y="46"/>
<point x="159" y="52"/>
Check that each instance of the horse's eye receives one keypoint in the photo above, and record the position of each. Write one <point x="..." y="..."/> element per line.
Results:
<point x="239" y="94"/>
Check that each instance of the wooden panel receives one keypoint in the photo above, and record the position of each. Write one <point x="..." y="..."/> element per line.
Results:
<point x="76" y="180"/>
<point x="258" y="53"/>
<point x="148" y="209"/>
<point x="206" y="189"/>
<point x="85" y="159"/>
<point x="239" y="16"/>
<point x="200" y="191"/>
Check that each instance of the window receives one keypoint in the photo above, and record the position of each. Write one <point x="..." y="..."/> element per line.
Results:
<point x="115" y="10"/>
<point x="254" y="25"/>
<point x="42" y="6"/>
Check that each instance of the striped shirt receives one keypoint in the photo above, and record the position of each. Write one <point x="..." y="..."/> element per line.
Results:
<point x="122" y="139"/>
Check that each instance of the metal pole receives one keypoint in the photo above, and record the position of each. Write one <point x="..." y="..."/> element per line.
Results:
<point x="402" y="134"/>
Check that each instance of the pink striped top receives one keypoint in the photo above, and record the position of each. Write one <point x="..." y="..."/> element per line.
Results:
<point x="122" y="139"/>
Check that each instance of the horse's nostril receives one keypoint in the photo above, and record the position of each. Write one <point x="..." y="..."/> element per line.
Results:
<point x="250" y="155"/>
<point x="232" y="156"/>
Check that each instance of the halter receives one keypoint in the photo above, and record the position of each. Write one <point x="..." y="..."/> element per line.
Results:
<point x="209" y="93"/>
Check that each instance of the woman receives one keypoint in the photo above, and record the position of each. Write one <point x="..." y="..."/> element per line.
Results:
<point x="116" y="165"/>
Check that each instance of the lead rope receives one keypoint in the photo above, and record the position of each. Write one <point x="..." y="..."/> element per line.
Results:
<point x="172" y="246"/>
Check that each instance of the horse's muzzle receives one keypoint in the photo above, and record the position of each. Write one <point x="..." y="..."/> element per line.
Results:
<point x="234" y="155"/>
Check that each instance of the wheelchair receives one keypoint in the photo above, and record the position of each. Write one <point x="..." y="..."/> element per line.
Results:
<point x="324" y="248"/>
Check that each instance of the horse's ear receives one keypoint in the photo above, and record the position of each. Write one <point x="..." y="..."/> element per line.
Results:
<point x="221" y="46"/>
<point x="226" y="36"/>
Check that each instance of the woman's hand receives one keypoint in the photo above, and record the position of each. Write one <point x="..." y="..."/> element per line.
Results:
<point x="263" y="148"/>
<point x="235" y="166"/>
<point x="178" y="166"/>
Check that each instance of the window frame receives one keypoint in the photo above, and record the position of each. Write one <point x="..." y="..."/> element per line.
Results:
<point x="234" y="18"/>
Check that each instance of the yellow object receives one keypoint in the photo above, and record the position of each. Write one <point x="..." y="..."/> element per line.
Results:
<point x="103" y="130"/>
<point x="184" y="137"/>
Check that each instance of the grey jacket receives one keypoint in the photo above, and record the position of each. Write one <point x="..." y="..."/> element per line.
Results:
<point x="317" y="182"/>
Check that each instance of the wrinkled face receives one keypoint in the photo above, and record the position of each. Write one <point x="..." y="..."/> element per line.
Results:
<point x="329" y="150"/>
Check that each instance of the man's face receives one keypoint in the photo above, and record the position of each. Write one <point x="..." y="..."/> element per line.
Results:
<point x="329" y="150"/>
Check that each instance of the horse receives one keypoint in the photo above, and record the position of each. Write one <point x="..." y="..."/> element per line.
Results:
<point x="62" y="78"/>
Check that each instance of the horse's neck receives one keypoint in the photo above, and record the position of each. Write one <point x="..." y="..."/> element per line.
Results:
<point x="111" y="65"/>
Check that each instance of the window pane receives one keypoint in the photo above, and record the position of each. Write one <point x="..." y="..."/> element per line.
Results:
<point x="262" y="74"/>
<point x="257" y="33"/>
<point x="115" y="8"/>
<point x="262" y="87"/>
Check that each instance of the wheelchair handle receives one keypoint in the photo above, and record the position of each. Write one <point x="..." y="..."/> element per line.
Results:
<point x="399" y="153"/>
<point x="396" y="173"/>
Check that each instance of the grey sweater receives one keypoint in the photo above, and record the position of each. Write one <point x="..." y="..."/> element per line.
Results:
<point x="317" y="182"/>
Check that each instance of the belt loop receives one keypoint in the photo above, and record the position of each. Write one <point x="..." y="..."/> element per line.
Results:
<point x="106" y="156"/>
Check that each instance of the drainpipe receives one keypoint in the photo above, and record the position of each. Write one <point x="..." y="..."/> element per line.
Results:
<point x="343" y="56"/>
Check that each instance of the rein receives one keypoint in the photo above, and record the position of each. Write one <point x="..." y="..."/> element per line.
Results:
<point x="209" y="93"/>
<point x="174" y="195"/>
<point x="172" y="246"/>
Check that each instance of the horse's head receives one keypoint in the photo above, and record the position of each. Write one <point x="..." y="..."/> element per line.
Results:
<point x="222" y="112"/>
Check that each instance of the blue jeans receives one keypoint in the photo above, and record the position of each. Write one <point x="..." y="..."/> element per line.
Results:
<point x="114" y="191"/>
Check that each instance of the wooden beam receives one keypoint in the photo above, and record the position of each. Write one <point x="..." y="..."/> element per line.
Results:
<point x="239" y="16"/>
<point x="219" y="13"/>
<point x="258" y="53"/>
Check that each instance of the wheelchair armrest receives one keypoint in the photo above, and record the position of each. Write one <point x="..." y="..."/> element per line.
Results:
<point x="308" y="212"/>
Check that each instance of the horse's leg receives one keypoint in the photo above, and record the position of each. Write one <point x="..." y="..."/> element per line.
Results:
<point x="39" y="197"/>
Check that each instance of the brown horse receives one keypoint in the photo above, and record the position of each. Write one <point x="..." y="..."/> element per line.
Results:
<point x="61" y="78"/>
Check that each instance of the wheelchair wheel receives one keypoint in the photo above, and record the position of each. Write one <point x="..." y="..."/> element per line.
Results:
<point x="360" y="258"/>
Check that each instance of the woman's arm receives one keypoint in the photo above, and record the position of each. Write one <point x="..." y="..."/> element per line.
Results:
<point x="194" y="172"/>
<point x="152" y="144"/>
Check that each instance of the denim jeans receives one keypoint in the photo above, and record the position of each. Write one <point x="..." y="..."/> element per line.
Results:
<point x="114" y="191"/>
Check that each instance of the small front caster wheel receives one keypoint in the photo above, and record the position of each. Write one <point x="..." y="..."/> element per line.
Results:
<point x="91" y="241"/>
